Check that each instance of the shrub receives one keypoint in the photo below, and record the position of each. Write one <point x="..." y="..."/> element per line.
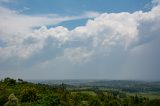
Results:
<point x="3" y="97"/>
<point x="12" y="101"/>
<point x="9" y="81"/>
<point x="50" y="100"/>
<point x="29" y="95"/>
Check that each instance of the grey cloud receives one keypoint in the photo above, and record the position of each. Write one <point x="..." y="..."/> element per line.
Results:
<point x="143" y="62"/>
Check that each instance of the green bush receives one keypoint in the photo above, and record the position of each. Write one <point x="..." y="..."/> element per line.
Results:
<point x="9" y="81"/>
<point x="50" y="100"/>
<point x="95" y="102"/>
<point x="154" y="102"/>
<point x="114" y="103"/>
<point x="3" y="97"/>
<point x="29" y="94"/>
<point x="12" y="101"/>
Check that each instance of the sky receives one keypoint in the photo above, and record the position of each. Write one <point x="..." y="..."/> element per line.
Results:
<point x="80" y="39"/>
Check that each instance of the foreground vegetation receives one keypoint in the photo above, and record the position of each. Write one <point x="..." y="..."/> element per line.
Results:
<point x="22" y="93"/>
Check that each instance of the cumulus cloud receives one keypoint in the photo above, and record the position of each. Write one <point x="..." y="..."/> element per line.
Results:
<point x="16" y="27"/>
<point x="108" y="31"/>
<point x="24" y="23"/>
<point x="77" y="54"/>
<point x="29" y="39"/>
<point x="103" y="32"/>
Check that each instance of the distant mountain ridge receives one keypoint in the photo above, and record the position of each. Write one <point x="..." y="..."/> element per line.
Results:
<point x="124" y="85"/>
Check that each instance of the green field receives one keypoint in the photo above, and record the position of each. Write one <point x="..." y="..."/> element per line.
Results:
<point x="150" y="95"/>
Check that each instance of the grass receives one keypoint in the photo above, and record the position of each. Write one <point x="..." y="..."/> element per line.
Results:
<point x="150" y="95"/>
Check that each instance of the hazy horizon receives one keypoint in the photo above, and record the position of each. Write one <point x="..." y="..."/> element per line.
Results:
<point x="80" y="39"/>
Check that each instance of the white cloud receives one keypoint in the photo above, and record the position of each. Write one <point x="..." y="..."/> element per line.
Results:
<point x="17" y="23"/>
<point x="99" y="35"/>
<point x="60" y="33"/>
<point x="107" y="42"/>
<point x="77" y="54"/>
<point x="15" y="27"/>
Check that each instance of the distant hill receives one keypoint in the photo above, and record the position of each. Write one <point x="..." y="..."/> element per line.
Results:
<point x="124" y="85"/>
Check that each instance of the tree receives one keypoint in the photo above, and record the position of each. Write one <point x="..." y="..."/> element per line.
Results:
<point x="50" y="100"/>
<point x="3" y="97"/>
<point x="114" y="103"/>
<point x="20" y="81"/>
<point x="154" y="102"/>
<point x="9" y="81"/>
<point x="29" y="94"/>
<point x="95" y="102"/>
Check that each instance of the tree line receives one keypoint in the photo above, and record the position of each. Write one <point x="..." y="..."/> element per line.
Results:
<point x="22" y="93"/>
